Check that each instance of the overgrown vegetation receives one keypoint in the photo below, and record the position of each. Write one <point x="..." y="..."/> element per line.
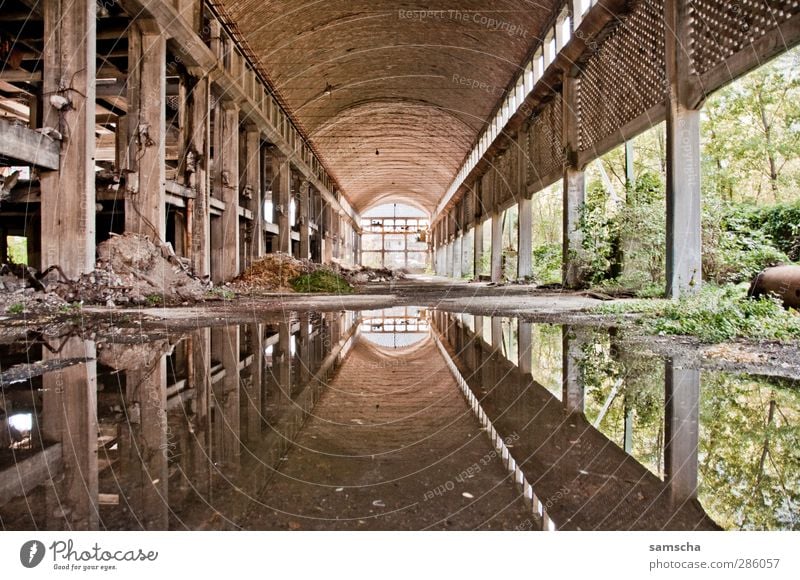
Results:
<point x="715" y="314"/>
<point x="321" y="281"/>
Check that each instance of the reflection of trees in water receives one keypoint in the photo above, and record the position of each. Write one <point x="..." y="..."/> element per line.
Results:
<point x="750" y="452"/>
<point x="749" y="456"/>
<point x="546" y="356"/>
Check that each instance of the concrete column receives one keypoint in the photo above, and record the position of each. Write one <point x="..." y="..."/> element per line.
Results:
<point x="571" y="376"/>
<point x="199" y="179"/>
<point x="458" y="256"/>
<point x="69" y="416"/>
<point x="229" y="262"/>
<point x="327" y="218"/>
<point x="524" y="338"/>
<point x="68" y="195"/>
<point x="574" y="195"/>
<point x="684" y="229"/>
<point x="477" y="243"/>
<point x="253" y="185"/>
<point x="448" y="260"/>
<point x="145" y="201"/>
<point x="303" y="213"/>
<point x="200" y="370"/>
<point x="525" y="238"/>
<point x="682" y="394"/>
<point x="497" y="246"/>
<point x="281" y="195"/>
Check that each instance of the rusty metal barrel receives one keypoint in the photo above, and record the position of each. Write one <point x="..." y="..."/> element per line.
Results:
<point x="780" y="281"/>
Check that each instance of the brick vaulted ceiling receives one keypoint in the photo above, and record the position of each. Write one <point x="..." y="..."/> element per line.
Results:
<point x="392" y="94"/>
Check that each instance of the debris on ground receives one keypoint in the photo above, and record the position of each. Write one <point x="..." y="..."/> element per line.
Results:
<point x="365" y="274"/>
<point x="131" y="269"/>
<point x="281" y="272"/>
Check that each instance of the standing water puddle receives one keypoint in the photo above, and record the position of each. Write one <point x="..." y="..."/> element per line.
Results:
<point x="356" y="420"/>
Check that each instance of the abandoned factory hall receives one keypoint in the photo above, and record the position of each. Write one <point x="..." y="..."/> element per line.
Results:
<point x="515" y="265"/>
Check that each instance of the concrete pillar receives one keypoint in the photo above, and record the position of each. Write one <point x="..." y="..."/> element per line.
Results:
<point x="327" y="218"/>
<point x="200" y="119"/>
<point x="69" y="416"/>
<point x="574" y="194"/>
<point x="448" y="260"/>
<point x="303" y="213"/>
<point x="525" y="238"/>
<point x="68" y="195"/>
<point x="684" y="228"/>
<point x="229" y="256"/>
<point x="253" y="173"/>
<point x="571" y="375"/>
<point x="682" y="394"/>
<point x="458" y="256"/>
<point x="200" y="376"/>
<point x="477" y="242"/>
<point x="497" y="246"/>
<point x="524" y="343"/>
<point x="145" y="196"/>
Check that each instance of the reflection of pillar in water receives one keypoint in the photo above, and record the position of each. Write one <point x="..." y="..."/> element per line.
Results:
<point x="497" y="334"/>
<point x="253" y="393"/>
<point x="284" y="365"/>
<point x="200" y="381"/>
<point x="682" y="393"/>
<point x="524" y="345"/>
<point x="225" y="396"/>
<point x="149" y="445"/>
<point x="571" y="376"/>
<point x="305" y="349"/>
<point x="69" y="416"/>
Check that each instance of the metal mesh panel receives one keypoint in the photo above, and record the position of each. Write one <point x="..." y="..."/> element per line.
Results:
<point x="545" y="151"/>
<point x="721" y="28"/>
<point x="624" y="78"/>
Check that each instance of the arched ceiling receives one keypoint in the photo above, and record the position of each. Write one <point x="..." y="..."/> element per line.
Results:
<point x="384" y="88"/>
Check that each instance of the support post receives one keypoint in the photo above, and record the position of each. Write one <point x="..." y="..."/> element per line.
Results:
<point x="477" y="243"/>
<point x="574" y="194"/>
<point x="281" y="194"/>
<point x="303" y="213"/>
<point x="145" y="198"/>
<point x="571" y="379"/>
<point x="253" y="176"/>
<point x="457" y="254"/>
<point x="68" y="195"/>
<point x="524" y="345"/>
<point x="684" y="230"/>
<point x="200" y="151"/>
<point x="525" y="238"/>
<point x="229" y="262"/>
<point x="497" y="246"/>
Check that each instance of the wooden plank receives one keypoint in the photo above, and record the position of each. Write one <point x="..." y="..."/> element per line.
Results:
<point x="28" y="147"/>
<point x="30" y="472"/>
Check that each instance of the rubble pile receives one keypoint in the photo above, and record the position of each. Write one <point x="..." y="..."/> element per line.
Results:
<point x="364" y="274"/>
<point x="131" y="269"/>
<point x="273" y="272"/>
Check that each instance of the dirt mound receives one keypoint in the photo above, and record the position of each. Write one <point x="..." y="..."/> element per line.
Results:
<point x="273" y="272"/>
<point x="131" y="269"/>
<point x="364" y="274"/>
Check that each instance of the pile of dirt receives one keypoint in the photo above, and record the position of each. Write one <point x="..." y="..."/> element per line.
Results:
<point x="131" y="269"/>
<point x="273" y="272"/>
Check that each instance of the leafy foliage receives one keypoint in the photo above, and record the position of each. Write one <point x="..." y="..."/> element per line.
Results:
<point x="321" y="281"/>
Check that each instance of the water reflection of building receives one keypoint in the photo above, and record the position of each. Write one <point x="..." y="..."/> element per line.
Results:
<point x="170" y="433"/>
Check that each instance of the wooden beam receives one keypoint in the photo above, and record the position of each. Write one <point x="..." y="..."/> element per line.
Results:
<point x="28" y="147"/>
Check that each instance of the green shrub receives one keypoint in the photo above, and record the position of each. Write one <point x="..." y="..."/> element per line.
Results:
<point x="321" y="281"/>
<point x="546" y="263"/>
<point x="715" y="314"/>
<point x="16" y="308"/>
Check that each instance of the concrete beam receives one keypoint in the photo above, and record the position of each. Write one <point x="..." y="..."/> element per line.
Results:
<point x="68" y="195"/>
<point x="28" y="147"/>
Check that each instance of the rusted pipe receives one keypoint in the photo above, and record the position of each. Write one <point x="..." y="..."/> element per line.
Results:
<point x="780" y="281"/>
